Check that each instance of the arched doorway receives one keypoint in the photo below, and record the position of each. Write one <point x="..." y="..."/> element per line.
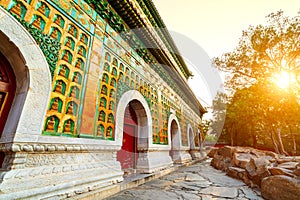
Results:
<point x="200" y="140"/>
<point x="7" y="90"/>
<point x="135" y="135"/>
<point x="7" y="94"/>
<point x="128" y="154"/>
<point x="175" y="142"/>
<point x="192" y="143"/>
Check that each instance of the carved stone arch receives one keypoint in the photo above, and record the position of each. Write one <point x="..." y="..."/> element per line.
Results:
<point x="191" y="137"/>
<point x="200" y="139"/>
<point x="174" y="136"/>
<point x="143" y="114"/>
<point x="178" y="153"/>
<point x="33" y="79"/>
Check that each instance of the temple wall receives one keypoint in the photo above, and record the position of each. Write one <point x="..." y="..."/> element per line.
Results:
<point x="75" y="74"/>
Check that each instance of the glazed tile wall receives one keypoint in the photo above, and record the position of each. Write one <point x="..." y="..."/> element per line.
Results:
<point x="94" y="68"/>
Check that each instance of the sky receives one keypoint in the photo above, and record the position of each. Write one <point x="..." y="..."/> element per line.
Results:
<point x="216" y="26"/>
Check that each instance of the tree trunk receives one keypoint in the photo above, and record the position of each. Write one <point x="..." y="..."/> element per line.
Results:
<point x="281" y="146"/>
<point x="231" y="135"/>
<point x="235" y="137"/>
<point x="254" y="140"/>
<point x="294" y="150"/>
<point x="274" y="143"/>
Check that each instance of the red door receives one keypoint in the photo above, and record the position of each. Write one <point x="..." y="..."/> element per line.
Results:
<point x="7" y="90"/>
<point x="128" y="154"/>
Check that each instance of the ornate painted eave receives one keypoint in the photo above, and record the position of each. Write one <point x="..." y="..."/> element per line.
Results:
<point x="153" y="15"/>
<point x="152" y="36"/>
<point x="148" y="36"/>
<point x="131" y="16"/>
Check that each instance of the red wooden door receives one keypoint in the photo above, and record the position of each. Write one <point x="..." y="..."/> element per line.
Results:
<point x="7" y="90"/>
<point x="128" y="155"/>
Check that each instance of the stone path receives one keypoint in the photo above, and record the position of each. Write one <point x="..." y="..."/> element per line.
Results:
<point x="199" y="181"/>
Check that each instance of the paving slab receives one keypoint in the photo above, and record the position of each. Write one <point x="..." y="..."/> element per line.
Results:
<point x="198" y="181"/>
<point x="227" y="192"/>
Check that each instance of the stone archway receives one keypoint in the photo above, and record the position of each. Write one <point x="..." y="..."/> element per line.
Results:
<point x="7" y="90"/>
<point x="191" y="137"/>
<point x="133" y="136"/>
<point x="178" y="153"/>
<point x="133" y="132"/>
<point x="28" y="108"/>
<point x="192" y="145"/>
<point x="175" y="141"/>
<point x="174" y="133"/>
<point x="200" y="140"/>
<point x="33" y="80"/>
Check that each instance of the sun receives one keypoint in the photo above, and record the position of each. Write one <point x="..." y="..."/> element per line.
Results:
<point x="284" y="79"/>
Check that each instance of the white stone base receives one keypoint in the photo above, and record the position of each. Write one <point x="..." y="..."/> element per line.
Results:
<point x="60" y="176"/>
<point x="181" y="156"/>
<point x="151" y="161"/>
<point x="197" y="154"/>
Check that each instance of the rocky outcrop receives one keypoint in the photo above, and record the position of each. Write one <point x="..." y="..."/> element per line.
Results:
<point x="260" y="169"/>
<point x="280" y="187"/>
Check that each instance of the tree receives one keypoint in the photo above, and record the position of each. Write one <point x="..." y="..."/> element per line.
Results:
<point x="261" y="102"/>
<point x="264" y="51"/>
<point x="205" y="126"/>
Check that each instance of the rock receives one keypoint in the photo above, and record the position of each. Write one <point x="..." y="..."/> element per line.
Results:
<point x="271" y="154"/>
<point x="227" y="151"/>
<point x="297" y="170"/>
<point x="217" y="162"/>
<point x="281" y="171"/>
<point x="257" y="169"/>
<point x="288" y="165"/>
<point x="237" y="172"/>
<point x="221" y="163"/>
<point x="241" y="159"/>
<point x="288" y="159"/>
<point x="257" y="164"/>
<point x="280" y="187"/>
<point x="212" y="151"/>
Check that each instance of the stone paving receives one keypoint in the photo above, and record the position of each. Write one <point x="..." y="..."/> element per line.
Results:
<point x="198" y="181"/>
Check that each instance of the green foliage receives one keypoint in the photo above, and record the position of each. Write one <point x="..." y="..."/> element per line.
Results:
<point x="210" y="138"/>
<point x="263" y="51"/>
<point x="205" y="126"/>
<point x="259" y="112"/>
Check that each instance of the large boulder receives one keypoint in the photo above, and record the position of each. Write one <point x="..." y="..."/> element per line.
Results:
<point x="253" y="166"/>
<point x="280" y="187"/>
<point x="288" y="165"/>
<point x="241" y="159"/>
<point x="227" y="151"/>
<point x="257" y="169"/>
<point x="237" y="172"/>
<point x="297" y="170"/>
<point x="212" y="151"/>
<point x="281" y="171"/>
<point x="220" y="162"/>
<point x="288" y="159"/>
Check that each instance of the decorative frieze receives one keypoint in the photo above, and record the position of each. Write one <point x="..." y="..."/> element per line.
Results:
<point x="51" y="148"/>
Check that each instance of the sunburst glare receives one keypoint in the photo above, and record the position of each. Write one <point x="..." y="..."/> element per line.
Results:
<point x="284" y="79"/>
